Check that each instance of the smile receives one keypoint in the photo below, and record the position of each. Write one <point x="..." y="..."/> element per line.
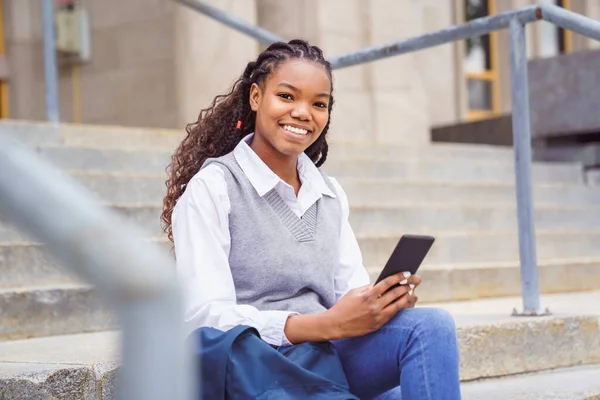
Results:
<point x="297" y="131"/>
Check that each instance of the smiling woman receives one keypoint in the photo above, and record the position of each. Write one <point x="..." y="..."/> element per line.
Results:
<point x="292" y="108"/>
<point x="263" y="242"/>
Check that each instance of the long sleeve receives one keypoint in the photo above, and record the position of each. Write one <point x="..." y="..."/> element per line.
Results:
<point x="351" y="273"/>
<point x="200" y="224"/>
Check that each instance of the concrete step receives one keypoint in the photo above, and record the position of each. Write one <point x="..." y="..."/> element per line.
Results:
<point x="59" y="303"/>
<point x="455" y="171"/>
<point x="487" y="247"/>
<point x="34" y="311"/>
<point x="576" y="383"/>
<point x="492" y="343"/>
<point x="73" y="367"/>
<point x="452" y="170"/>
<point x="397" y="192"/>
<point x="92" y="136"/>
<point x="483" y="260"/>
<point x="382" y="221"/>
<point x="124" y="161"/>
<point x="26" y="264"/>
<point x="145" y="216"/>
<point x="124" y="188"/>
<point x="85" y="365"/>
<point x="391" y="220"/>
<point x="481" y="280"/>
<point x="339" y="149"/>
<point x="29" y="264"/>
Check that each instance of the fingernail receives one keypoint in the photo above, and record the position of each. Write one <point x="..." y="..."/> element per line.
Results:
<point x="404" y="282"/>
<point x="410" y="292"/>
<point x="412" y="286"/>
<point x="406" y="274"/>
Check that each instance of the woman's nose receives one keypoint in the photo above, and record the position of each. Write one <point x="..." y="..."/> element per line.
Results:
<point x="301" y="112"/>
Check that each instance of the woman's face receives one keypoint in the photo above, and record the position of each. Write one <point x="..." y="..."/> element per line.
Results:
<point x="291" y="107"/>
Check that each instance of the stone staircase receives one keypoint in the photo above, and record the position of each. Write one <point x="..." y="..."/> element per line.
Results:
<point x="57" y="340"/>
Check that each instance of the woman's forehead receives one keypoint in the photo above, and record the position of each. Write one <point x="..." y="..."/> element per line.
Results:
<point x="303" y="75"/>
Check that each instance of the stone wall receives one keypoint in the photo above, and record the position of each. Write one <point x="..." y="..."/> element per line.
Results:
<point x="392" y="100"/>
<point x="130" y="79"/>
<point x="209" y="56"/>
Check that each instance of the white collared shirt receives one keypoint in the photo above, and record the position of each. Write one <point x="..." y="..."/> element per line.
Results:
<point x="200" y="223"/>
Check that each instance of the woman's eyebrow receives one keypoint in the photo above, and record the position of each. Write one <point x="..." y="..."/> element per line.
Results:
<point x="292" y="87"/>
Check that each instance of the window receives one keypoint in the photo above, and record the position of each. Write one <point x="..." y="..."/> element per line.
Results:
<point x="481" y="65"/>
<point x="564" y="36"/>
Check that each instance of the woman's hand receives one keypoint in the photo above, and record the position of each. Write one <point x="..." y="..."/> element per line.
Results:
<point x="366" y="309"/>
<point x="360" y="311"/>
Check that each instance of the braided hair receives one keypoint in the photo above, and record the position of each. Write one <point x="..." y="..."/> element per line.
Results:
<point x="215" y="133"/>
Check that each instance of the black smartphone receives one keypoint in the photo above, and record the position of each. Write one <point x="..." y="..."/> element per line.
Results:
<point x="407" y="256"/>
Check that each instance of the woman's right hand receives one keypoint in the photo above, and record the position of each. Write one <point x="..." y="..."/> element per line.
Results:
<point x="368" y="308"/>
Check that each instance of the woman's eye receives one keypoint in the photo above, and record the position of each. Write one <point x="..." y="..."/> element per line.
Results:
<point x="286" y="96"/>
<point x="321" y="105"/>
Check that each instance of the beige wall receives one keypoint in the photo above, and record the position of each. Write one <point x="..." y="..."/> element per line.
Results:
<point x="130" y="79"/>
<point x="392" y="100"/>
<point x="158" y="64"/>
<point x="209" y="56"/>
<point x="593" y="11"/>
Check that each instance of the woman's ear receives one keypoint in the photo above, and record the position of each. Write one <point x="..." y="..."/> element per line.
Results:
<point x="254" y="97"/>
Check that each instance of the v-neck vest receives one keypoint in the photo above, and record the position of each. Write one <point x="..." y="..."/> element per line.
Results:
<point x="280" y="261"/>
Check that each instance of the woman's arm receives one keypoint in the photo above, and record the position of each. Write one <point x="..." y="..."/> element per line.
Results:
<point x="361" y="311"/>
<point x="350" y="273"/>
<point x="202" y="242"/>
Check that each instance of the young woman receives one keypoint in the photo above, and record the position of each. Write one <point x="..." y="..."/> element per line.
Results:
<point x="262" y="236"/>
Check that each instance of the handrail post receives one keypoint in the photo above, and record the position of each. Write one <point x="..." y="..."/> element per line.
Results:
<point x="522" y="147"/>
<point x="50" y="68"/>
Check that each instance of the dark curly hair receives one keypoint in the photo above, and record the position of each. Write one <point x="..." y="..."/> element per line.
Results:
<point x="214" y="133"/>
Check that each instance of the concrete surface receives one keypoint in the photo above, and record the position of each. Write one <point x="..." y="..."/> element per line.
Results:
<point x="51" y="310"/>
<point x="464" y="171"/>
<point x="127" y="188"/>
<point x="577" y="383"/>
<point x="70" y="367"/>
<point x="492" y="344"/>
<point x="374" y="221"/>
<point x="462" y="194"/>
<point x="485" y="247"/>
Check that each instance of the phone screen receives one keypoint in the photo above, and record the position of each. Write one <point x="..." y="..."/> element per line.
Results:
<point x="407" y="256"/>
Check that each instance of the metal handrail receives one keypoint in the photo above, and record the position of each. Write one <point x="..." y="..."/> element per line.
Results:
<point x="515" y="21"/>
<point x="135" y="277"/>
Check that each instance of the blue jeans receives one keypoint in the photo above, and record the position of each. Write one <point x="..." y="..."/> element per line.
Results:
<point x="414" y="356"/>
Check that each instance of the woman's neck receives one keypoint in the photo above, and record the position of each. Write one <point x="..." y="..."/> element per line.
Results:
<point x="284" y="166"/>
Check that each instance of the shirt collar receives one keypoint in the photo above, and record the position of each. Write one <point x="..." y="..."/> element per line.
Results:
<point x="263" y="179"/>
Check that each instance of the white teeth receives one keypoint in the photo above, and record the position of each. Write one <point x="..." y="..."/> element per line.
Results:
<point x="298" y="131"/>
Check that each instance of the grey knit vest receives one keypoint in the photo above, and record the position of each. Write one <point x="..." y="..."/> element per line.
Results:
<point x="278" y="260"/>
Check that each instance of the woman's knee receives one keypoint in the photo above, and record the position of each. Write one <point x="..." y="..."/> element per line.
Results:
<point x="428" y="321"/>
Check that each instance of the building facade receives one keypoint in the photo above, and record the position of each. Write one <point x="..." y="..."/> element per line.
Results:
<point x="155" y="63"/>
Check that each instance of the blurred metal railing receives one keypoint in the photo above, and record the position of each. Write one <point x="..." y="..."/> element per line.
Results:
<point x="515" y="21"/>
<point x="132" y="275"/>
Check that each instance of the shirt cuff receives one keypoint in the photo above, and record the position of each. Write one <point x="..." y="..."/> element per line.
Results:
<point x="275" y="332"/>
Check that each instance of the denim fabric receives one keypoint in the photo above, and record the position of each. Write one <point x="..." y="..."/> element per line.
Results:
<point x="414" y="357"/>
